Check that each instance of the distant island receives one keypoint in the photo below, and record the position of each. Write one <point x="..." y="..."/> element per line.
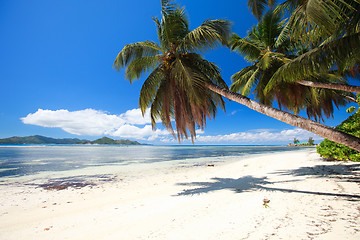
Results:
<point x="37" y="139"/>
<point x="109" y="141"/>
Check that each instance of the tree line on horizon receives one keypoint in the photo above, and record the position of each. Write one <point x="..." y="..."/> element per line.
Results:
<point x="301" y="55"/>
<point x="296" y="142"/>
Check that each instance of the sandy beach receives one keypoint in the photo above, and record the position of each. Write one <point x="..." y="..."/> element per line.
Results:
<point x="309" y="198"/>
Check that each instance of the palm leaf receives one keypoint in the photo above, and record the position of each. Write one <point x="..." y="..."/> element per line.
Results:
<point x="246" y="47"/>
<point x="188" y="78"/>
<point x="134" y="51"/>
<point x="241" y="78"/>
<point x="270" y="27"/>
<point x="150" y="87"/>
<point x="251" y="82"/>
<point x="207" y="68"/>
<point x="175" y="26"/>
<point x="139" y="66"/>
<point x="167" y="7"/>
<point x="207" y="36"/>
<point x="320" y="60"/>
<point x="257" y="7"/>
<point x="282" y="37"/>
<point x="161" y="106"/>
<point x="330" y="16"/>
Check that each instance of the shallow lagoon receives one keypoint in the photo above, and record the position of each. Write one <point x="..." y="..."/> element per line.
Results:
<point x="19" y="160"/>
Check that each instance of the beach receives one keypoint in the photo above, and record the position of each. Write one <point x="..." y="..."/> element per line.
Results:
<point x="284" y="195"/>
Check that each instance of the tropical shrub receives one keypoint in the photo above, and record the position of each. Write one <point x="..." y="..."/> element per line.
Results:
<point x="332" y="150"/>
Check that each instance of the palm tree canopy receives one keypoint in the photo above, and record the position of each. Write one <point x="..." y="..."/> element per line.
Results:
<point x="268" y="48"/>
<point x="332" y="29"/>
<point x="175" y="87"/>
<point x="328" y="15"/>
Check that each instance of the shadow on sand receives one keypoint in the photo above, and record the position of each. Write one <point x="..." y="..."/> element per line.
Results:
<point x="250" y="183"/>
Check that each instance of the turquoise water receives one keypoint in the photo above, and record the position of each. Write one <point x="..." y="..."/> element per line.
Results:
<point x="17" y="161"/>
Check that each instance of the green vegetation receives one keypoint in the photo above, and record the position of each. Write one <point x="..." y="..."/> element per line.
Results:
<point x="332" y="150"/>
<point x="37" y="139"/>
<point x="296" y="143"/>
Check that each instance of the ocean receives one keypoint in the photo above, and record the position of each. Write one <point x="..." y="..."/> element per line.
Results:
<point x="31" y="162"/>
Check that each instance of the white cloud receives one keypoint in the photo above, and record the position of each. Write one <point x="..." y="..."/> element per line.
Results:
<point x="145" y="133"/>
<point x="134" y="116"/>
<point x="85" y="122"/>
<point x="92" y="122"/>
<point x="259" y="136"/>
<point x="199" y="131"/>
<point x="233" y="112"/>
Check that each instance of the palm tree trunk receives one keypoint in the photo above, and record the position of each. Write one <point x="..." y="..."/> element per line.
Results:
<point x="304" y="123"/>
<point x="343" y="87"/>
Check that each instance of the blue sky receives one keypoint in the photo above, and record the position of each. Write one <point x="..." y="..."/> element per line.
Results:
<point x="57" y="77"/>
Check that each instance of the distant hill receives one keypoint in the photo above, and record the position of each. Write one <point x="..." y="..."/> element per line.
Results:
<point x="109" y="141"/>
<point x="37" y="139"/>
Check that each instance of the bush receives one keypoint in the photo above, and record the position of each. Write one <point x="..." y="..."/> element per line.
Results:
<point x="336" y="151"/>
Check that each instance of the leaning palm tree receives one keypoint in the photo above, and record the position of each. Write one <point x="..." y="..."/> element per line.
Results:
<point x="185" y="87"/>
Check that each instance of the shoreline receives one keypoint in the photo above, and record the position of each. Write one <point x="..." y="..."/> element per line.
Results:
<point x="309" y="199"/>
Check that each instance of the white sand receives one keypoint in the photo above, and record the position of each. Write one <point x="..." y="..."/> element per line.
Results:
<point x="309" y="199"/>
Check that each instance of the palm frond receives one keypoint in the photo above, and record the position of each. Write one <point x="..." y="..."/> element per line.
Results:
<point x="140" y="66"/>
<point x="207" y="68"/>
<point x="320" y="60"/>
<point x="270" y="27"/>
<point x="161" y="37"/>
<point x="173" y="27"/>
<point x="283" y="36"/>
<point x="167" y="7"/>
<point x="208" y="35"/>
<point x="325" y="14"/>
<point x="135" y="50"/>
<point x="150" y="87"/>
<point x="288" y="6"/>
<point x="248" y="48"/>
<point x="241" y="78"/>
<point x="257" y="7"/>
<point x="330" y="16"/>
<point x="162" y="106"/>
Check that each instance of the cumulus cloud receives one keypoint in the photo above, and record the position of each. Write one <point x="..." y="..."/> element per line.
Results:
<point x="260" y="136"/>
<point x="92" y="122"/>
<point x="256" y="137"/>
<point x="130" y="131"/>
<point x="84" y="122"/>
<point x="134" y="116"/>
